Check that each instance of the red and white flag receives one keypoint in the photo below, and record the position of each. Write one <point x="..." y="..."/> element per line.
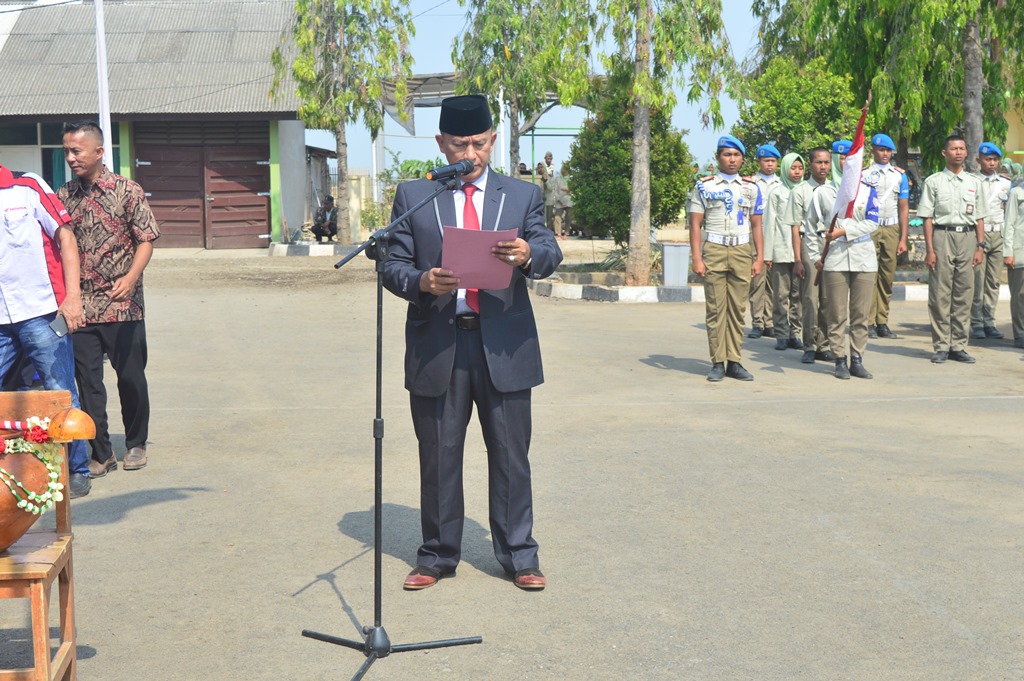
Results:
<point x="850" y="184"/>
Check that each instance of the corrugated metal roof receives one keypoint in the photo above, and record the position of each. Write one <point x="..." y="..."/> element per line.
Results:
<point x="164" y="56"/>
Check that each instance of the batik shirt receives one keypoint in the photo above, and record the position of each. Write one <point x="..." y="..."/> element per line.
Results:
<point x="110" y="220"/>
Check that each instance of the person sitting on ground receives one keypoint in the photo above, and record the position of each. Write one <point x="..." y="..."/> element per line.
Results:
<point x="325" y="223"/>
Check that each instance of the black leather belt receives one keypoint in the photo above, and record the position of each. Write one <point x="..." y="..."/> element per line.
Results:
<point x="960" y="229"/>
<point x="468" y="321"/>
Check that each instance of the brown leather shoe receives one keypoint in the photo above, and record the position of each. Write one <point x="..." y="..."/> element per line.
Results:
<point x="135" y="458"/>
<point x="423" y="577"/>
<point x="98" y="469"/>
<point x="530" y="579"/>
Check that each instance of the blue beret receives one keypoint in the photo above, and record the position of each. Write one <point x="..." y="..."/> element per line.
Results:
<point x="883" y="141"/>
<point x="768" y="151"/>
<point x="730" y="142"/>
<point x="841" y="146"/>
<point x="988" y="148"/>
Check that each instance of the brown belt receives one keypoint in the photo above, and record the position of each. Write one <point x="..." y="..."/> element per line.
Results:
<point x="468" y="321"/>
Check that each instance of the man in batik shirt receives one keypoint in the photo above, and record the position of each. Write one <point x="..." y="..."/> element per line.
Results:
<point x="115" y="230"/>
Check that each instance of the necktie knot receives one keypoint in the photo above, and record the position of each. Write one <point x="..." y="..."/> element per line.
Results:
<point x="469" y="189"/>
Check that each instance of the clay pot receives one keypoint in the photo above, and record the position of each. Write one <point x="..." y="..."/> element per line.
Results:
<point x="71" y="424"/>
<point x="30" y="472"/>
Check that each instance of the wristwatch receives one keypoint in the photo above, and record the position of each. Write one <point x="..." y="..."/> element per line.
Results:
<point x="981" y="245"/>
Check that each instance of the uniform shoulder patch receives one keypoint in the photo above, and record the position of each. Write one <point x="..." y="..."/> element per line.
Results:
<point x="705" y="179"/>
<point x="750" y="179"/>
<point x="898" y="169"/>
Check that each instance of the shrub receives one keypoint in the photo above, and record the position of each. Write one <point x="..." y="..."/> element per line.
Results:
<point x="601" y="165"/>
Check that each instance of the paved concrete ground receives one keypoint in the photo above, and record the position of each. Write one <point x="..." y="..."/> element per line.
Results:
<point x="796" y="527"/>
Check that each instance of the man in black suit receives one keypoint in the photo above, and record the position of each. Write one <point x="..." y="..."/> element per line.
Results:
<point x="466" y="347"/>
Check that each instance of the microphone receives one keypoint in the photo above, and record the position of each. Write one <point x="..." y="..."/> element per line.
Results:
<point x="463" y="167"/>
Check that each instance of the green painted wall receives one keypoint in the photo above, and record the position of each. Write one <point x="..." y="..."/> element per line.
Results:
<point x="127" y="155"/>
<point x="275" y="184"/>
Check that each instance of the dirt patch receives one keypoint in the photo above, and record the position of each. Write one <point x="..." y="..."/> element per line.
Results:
<point x="291" y="273"/>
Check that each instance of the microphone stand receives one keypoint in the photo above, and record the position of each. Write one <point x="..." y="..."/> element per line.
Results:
<point x="375" y="643"/>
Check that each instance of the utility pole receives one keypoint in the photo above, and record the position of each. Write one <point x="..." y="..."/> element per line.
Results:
<point x="104" y="89"/>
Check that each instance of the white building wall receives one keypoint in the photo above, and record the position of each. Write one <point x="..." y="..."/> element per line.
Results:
<point x="291" y="140"/>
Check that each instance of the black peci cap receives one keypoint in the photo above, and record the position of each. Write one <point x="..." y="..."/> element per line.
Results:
<point x="465" y="115"/>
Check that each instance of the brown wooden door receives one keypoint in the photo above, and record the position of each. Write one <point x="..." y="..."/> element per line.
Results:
<point x="172" y="178"/>
<point x="237" y="196"/>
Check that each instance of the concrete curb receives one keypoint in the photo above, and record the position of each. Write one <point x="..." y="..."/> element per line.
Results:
<point x="310" y="249"/>
<point x="911" y="292"/>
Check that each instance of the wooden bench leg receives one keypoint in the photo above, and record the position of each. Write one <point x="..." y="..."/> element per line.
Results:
<point x="41" y="629"/>
<point x="66" y="587"/>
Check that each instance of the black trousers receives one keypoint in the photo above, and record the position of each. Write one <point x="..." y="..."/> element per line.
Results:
<point x="321" y="231"/>
<point x="440" y="425"/>
<point x="125" y="344"/>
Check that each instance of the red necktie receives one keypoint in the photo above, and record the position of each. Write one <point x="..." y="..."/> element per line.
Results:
<point x="471" y="221"/>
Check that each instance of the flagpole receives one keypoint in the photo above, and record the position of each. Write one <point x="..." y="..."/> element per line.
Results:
<point x="104" y="88"/>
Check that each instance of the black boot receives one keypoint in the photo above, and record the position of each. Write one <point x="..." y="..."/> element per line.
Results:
<point x="842" y="371"/>
<point x="717" y="372"/>
<point x="857" y="367"/>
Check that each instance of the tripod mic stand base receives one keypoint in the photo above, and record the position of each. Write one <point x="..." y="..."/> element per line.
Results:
<point x="376" y="644"/>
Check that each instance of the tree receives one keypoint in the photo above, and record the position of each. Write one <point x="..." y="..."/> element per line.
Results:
<point x="924" y="60"/>
<point x="601" y="160"/>
<point x="517" y="51"/>
<point x="341" y="52"/>
<point x="796" y="107"/>
<point x="661" y="38"/>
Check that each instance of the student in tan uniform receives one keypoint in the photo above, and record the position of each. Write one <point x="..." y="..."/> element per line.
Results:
<point x="893" y="191"/>
<point x="953" y="207"/>
<point x="779" y="257"/>
<point x="729" y="208"/>
<point x="848" y="275"/>
<point x="810" y="228"/>
<point x="1013" y="258"/>
<point x="761" y="320"/>
<point x="988" y="277"/>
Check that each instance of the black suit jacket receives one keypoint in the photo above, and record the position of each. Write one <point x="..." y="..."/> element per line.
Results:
<point x="507" y="325"/>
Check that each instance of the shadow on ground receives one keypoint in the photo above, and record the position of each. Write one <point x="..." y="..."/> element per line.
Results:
<point x="402" y="536"/>
<point x="687" y="365"/>
<point x="17" y="649"/>
<point x="115" y="509"/>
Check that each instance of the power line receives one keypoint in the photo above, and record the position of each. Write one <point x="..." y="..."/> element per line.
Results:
<point x="443" y="2"/>
<point x="25" y="9"/>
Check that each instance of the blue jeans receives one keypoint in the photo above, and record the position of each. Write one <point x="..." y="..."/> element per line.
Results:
<point x="54" y="359"/>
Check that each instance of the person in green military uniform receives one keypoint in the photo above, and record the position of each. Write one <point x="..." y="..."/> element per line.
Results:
<point x="893" y="191"/>
<point x="729" y="208"/>
<point x="954" y="211"/>
<point x="988" y="277"/>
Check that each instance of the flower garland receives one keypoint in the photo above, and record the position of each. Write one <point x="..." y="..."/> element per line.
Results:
<point x="35" y="441"/>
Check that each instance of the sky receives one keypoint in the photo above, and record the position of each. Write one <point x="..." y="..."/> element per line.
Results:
<point x="439" y="21"/>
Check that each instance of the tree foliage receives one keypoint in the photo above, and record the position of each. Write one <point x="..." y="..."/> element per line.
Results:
<point x="339" y="53"/>
<point x="911" y="54"/>
<point x="601" y="165"/>
<point x="517" y="51"/>
<point x="796" y="107"/>
<point x="669" y="43"/>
